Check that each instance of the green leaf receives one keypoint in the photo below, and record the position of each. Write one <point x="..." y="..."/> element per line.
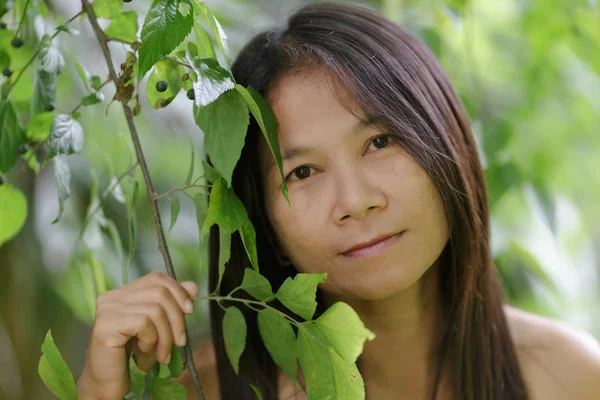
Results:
<point x="164" y="29"/>
<point x="216" y="28"/>
<point x="224" y="252"/>
<point x="175" y="207"/>
<point x="224" y="209"/>
<point x="225" y="123"/>
<point x="4" y="59"/>
<point x="66" y="135"/>
<point x="176" y="364"/>
<point x="95" y="82"/>
<point x="234" y="335"/>
<point x="164" y="70"/>
<point x="43" y="91"/>
<point x="132" y="237"/>
<point x="190" y="175"/>
<point x="257" y="285"/>
<point x="49" y="58"/>
<point x="91" y="99"/>
<point x="165" y="389"/>
<point x="113" y="233"/>
<point x="212" y="80"/>
<point x="249" y="239"/>
<point x="62" y="174"/>
<point x="279" y="339"/>
<point x="55" y="372"/>
<point x="256" y="392"/>
<point x="347" y="381"/>
<point x="81" y="71"/>
<point x="137" y="378"/>
<point x="11" y="136"/>
<point x="39" y="127"/>
<point x="124" y="27"/>
<point x="201" y="213"/>
<point x="264" y="116"/>
<point x="547" y="203"/>
<point x="210" y="173"/>
<point x="205" y="47"/>
<point x="299" y="294"/>
<point x="107" y="8"/>
<point x="315" y="361"/>
<point x="13" y="212"/>
<point x="345" y="331"/>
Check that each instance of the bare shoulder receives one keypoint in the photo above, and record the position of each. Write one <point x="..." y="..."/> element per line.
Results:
<point x="558" y="360"/>
<point x="206" y="365"/>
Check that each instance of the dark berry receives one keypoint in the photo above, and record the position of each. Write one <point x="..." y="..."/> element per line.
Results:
<point x="161" y="86"/>
<point x="190" y="94"/>
<point x="7" y="72"/>
<point x="49" y="107"/>
<point x="16" y="42"/>
<point x="22" y="149"/>
<point x="2" y="25"/>
<point x="1" y="180"/>
<point x="127" y="1"/>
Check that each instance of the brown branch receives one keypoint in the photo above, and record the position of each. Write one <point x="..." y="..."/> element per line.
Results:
<point x="162" y="241"/>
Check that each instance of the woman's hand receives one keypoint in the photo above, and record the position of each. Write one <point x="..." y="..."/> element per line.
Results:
<point x="145" y="316"/>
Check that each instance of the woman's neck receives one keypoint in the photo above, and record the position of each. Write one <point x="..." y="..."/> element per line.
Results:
<point x="400" y="362"/>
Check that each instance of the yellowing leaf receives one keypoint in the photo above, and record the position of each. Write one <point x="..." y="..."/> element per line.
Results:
<point x="13" y="211"/>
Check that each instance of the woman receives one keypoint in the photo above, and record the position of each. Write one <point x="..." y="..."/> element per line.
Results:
<point x="388" y="197"/>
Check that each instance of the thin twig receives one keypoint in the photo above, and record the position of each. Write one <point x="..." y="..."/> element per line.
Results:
<point x="162" y="241"/>
<point x="180" y="62"/>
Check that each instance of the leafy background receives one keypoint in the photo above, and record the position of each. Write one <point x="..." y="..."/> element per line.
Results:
<point x="527" y="70"/>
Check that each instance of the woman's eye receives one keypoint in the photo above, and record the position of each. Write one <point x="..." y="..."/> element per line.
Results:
<point x="380" y="142"/>
<point x="300" y="173"/>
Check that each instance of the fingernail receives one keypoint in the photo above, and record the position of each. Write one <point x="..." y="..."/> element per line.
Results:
<point x="188" y="306"/>
<point x="182" y="340"/>
<point x="168" y="360"/>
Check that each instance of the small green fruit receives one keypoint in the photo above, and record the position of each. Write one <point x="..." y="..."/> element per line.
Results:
<point x="161" y="86"/>
<point x="16" y="42"/>
<point x="190" y="94"/>
<point x="7" y="72"/>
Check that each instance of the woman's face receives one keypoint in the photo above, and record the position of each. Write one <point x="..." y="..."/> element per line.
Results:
<point x="348" y="185"/>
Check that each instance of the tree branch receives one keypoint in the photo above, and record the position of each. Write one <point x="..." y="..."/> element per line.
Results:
<point x="162" y="241"/>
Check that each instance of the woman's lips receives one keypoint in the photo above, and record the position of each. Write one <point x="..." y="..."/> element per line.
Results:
<point x="374" y="248"/>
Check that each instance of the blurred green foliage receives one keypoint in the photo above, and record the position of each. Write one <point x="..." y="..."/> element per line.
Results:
<point x="528" y="72"/>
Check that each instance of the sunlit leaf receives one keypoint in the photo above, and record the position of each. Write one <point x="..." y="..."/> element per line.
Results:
<point x="315" y="361"/>
<point x="234" y="335"/>
<point x="256" y="392"/>
<point x="137" y="378"/>
<point x="107" y="8"/>
<point x="216" y="28"/>
<point x="39" y="127"/>
<point x="81" y="71"/>
<point x="347" y="381"/>
<point x="164" y="70"/>
<point x="345" y="331"/>
<point x="299" y="294"/>
<point x="212" y="80"/>
<point x="205" y="47"/>
<point x="124" y="27"/>
<point x="49" y="58"/>
<point x="13" y="211"/>
<point x="55" y="372"/>
<point x="279" y="339"/>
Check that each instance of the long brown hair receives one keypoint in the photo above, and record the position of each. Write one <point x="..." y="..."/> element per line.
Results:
<point x="398" y="82"/>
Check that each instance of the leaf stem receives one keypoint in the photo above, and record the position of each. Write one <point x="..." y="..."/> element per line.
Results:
<point x="23" y="17"/>
<point x="247" y="303"/>
<point x="177" y="189"/>
<point x="162" y="241"/>
<point x="37" y="51"/>
<point x="180" y="62"/>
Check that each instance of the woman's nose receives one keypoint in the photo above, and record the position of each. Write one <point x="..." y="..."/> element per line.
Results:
<point x="356" y="196"/>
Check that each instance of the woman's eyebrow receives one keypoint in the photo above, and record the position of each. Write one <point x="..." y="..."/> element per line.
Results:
<point x="293" y="152"/>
